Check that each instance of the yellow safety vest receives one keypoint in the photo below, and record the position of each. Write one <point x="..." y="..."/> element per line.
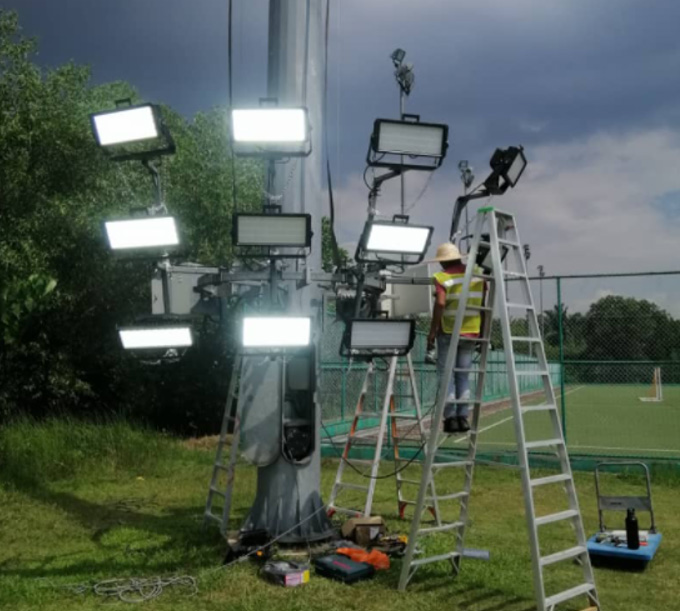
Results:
<point x="453" y="285"/>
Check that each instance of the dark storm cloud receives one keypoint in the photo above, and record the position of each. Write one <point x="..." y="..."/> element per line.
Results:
<point x="530" y="71"/>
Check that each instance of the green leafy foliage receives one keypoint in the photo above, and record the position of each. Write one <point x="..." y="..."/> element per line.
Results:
<point x="61" y="292"/>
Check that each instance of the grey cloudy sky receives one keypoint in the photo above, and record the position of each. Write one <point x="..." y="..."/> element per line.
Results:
<point x="589" y="87"/>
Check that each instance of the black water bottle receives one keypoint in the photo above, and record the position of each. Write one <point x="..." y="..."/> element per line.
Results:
<point x="632" y="530"/>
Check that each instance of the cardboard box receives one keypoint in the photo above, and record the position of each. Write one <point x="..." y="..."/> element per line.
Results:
<point x="364" y="531"/>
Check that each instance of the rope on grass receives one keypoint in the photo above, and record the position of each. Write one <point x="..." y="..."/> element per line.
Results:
<point x="135" y="590"/>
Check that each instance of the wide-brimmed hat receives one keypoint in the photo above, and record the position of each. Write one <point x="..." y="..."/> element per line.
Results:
<point x="446" y="252"/>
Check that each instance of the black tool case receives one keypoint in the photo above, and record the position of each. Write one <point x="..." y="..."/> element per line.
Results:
<point x="343" y="569"/>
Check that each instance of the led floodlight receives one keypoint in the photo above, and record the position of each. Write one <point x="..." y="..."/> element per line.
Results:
<point x="393" y="241"/>
<point x="426" y="142"/>
<point x="132" y="125"/>
<point x="378" y="337"/>
<point x="153" y="232"/>
<point x="272" y="230"/>
<point x="276" y="332"/>
<point x="270" y="131"/>
<point x="508" y="165"/>
<point x="145" y="338"/>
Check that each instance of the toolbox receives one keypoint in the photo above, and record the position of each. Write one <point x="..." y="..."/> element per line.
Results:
<point x="341" y="568"/>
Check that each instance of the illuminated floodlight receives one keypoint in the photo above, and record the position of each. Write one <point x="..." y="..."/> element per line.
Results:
<point x="270" y="131"/>
<point x="382" y="240"/>
<point x="272" y="230"/>
<point x="153" y="232"/>
<point x="425" y="144"/>
<point x="147" y="338"/>
<point x="132" y="132"/>
<point x="276" y="332"/>
<point x="378" y="337"/>
<point x="125" y="125"/>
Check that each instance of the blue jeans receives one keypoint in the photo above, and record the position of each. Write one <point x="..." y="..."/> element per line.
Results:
<point x="459" y="384"/>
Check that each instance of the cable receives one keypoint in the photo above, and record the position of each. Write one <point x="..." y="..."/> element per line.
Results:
<point x="354" y="468"/>
<point x="422" y="192"/>
<point x="337" y="259"/>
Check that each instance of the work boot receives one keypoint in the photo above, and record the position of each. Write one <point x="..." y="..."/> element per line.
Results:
<point x="451" y="425"/>
<point x="463" y="424"/>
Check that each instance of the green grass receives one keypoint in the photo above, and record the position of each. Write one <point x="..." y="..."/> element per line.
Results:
<point x="135" y="510"/>
<point x="602" y="419"/>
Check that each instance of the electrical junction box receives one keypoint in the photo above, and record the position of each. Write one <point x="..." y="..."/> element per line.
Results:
<point x="409" y="300"/>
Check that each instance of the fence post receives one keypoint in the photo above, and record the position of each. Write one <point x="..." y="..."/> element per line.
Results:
<point x="343" y="392"/>
<point x="560" y="332"/>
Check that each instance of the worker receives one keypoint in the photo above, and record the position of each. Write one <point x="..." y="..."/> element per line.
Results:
<point x="449" y="286"/>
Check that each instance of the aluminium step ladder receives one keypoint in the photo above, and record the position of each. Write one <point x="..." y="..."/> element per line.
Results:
<point x="495" y="239"/>
<point x="358" y="437"/>
<point x="214" y="490"/>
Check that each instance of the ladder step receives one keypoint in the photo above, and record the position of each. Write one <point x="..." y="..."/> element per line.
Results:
<point x="462" y="370"/>
<point x="557" y="517"/>
<point x="401" y="480"/>
<point x="441" y="528"/>
<point x="544" y="443"/>
<point x="448" y="497"/>
<point x="345" y="510"/>
<point x="479" y="340"/>
<point x="430" y="559"/>
<point x="556" y="599"/>
<point x="509" y="243"/>
<point x="464" y="402"/>
<point x="477" y="308"/>
<point x="567" y="554"/>
<point x="404" y="416"/>
<point x="216" y="491"/>
<point x="540" y="372"/>
<point x="488" y="277"/>
<point x="518" y="306"/>
<point x="368" y="415"/>
<point x="522" y="338"/>
<point x="514" y="274"/>
<point x="550" y="479"/>
<point x="212" y="516"/>
<point x="455" y="463"/>
<point x="352" y="486"/>
<point x="538" y="408"/>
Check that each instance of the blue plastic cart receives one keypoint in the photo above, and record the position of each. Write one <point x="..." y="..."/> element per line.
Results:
<point x="605" y="547"/>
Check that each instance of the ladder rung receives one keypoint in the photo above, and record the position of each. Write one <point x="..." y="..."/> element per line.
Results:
<point x="454" y="463"/>
<point x="448" y="497"/>
<point x="566" y="554"/>
<point x="368" y="415"/>
<point x="216" y="491"/>
<point x="550" y="479"/>
<point x="538" y="408"/>
<point x="430" y="559"/>
<point x="463" y="370"/>
<point x="540" y="372"/>
<point x="464" y="402"/>
<point x="543" y="443"/>
<point x="477" y="308"/>
<point x="409" y="481"/>
<point x="350" y="512"/>
<point x="509" y="243"/>
<point x="479" y="340"/>
<point x="522" y="338"/>
<point x="556" y="599"/>
<point x="519" y="306"/>
<point x="514" y="274"/>
<point x="359" y="461"/>
<point x="557" y="517"/>
<point x="351" y="486"/>
<point x="488" y="277"/>
<point x="212" y="516"/>
<point x="404" y="416"/>
<point x="441" y="528"/>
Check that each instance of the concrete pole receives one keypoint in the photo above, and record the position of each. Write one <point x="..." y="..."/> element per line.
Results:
<point x="289" y="493"/>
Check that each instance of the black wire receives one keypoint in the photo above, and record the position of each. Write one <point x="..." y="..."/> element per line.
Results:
<point x="337" y="260"/>
<point x="349" y="463"/>
<point x="234" y="196"/>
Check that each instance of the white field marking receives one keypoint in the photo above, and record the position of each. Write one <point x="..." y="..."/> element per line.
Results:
<point x="576" y="446"/>
<point x="495" y="424"/>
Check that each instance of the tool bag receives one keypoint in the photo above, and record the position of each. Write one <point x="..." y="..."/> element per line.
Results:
<point x="341" y="568"/>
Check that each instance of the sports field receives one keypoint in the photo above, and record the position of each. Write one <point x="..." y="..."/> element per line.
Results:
<point x="600" y="419"/>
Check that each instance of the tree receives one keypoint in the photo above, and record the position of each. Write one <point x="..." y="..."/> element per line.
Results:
<point x="327" y="261"/>
<point x="61" y="292"/>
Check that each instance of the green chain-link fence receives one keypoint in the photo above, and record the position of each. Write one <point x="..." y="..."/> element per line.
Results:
<point x="608" y="339"/>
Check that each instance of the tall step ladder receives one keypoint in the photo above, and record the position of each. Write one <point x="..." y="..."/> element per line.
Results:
<point x="496" y="235"/>
<point x="367" y="437"/>
<point x="219" y="466"/>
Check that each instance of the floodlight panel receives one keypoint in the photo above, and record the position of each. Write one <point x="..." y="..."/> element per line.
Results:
<point x="398" y="238"/>
<point x="404" y="138"/>
<point x="273" y="230"/>
<point x="516" y="168"/>
<point x="156" y="337"/>
<point x="127" y="125"/>
<point x="276" y="331"/>
<point x="267" y="125"/>
<point x="380" y="334"/>
<point x="149" y="232"/>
